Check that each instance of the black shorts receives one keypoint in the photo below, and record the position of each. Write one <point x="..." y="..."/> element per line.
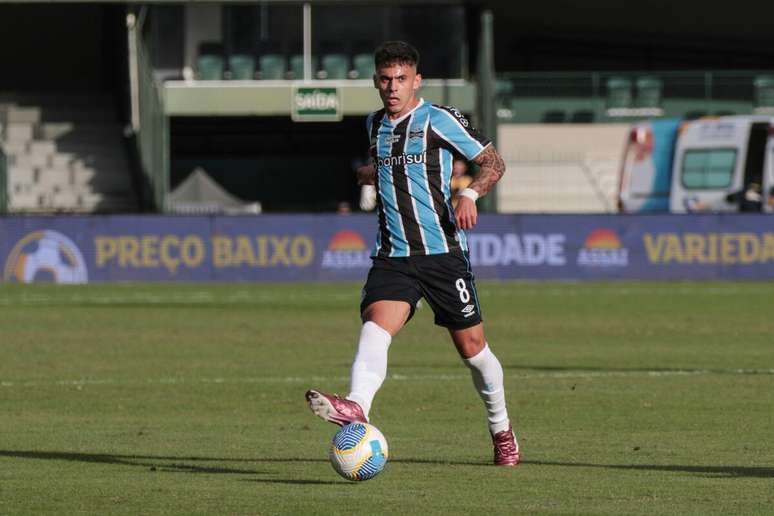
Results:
<point x="444" y="280"/>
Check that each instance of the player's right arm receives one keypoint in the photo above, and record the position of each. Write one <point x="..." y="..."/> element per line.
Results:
<point x="451" y="126"/>
<point x="491" y="169"/>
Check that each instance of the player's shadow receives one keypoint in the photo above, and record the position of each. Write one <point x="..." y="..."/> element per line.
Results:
<point x="168" y="464"/>
<point x="155" y="462"/>
<point x="299" y="482"/>
<point x="165" y="464"/>
<point x="706" y="471"/>
<point x="626" y="370"/>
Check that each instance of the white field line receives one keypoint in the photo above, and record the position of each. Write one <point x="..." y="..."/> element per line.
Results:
<point x="184" y="298"/>
<point x="309" y="380"/>
<point x="204" y="296"/>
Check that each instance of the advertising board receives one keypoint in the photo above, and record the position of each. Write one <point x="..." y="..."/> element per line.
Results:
<point x="337" y="248"/>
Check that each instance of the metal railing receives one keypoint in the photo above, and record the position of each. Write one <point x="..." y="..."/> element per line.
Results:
<point x="149" y="121"/>
<point x="622" y="96"/>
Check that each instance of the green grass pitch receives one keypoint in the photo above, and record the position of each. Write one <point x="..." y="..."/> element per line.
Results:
<point x="627" y="398"/>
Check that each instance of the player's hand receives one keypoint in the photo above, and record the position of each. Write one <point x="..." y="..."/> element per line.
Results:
<point x="466" y="212"/>
<point x="366" y="175"/>
<point x="367" y="197"/>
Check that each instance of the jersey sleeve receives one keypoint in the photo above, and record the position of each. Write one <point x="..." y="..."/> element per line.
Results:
<point x="456" y="130"/>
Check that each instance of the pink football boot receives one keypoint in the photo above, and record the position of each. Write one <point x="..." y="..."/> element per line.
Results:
<point x="506" y="449"/>
<point x="334" y="409"/>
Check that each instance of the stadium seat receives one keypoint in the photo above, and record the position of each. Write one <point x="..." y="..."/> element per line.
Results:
<point x="554" y="116"/>
<point x="504" y="99"/>
<point x="334" y="66"/>
<point x="364" y="66"/>
<point x="242" y="67"/>
<point x="764" y="91"/>
<point x="297" y="66"/>
<point x="693" y="115"/>
<point x="582" y="116"/>
<point x="619" y="92"/>
<point x="649" y="91"/>
<point x="504" y="87"/>
<point x="273" y="66"/>
<point x="210" y="67"/>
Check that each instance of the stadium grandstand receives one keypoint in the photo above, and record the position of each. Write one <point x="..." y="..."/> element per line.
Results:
<point x="110" y="107"/>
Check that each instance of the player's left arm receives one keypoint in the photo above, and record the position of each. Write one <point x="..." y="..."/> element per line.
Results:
<point x="491" y="169"/>
<point x="366" y="174"/>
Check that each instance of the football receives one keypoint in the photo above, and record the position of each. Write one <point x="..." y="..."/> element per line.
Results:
<point x="358" y="451"/>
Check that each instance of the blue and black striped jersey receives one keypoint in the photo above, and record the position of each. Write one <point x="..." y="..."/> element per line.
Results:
<point x="413" y="157"/>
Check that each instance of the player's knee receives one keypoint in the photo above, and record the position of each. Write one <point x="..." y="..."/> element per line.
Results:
<point x="469" y="344"/>
<point x="389" y="315"/>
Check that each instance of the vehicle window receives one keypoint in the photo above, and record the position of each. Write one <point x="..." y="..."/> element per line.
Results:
<point x="708" y="168"/>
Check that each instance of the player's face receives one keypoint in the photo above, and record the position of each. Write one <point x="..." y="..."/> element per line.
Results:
<point x="398" y="84"/>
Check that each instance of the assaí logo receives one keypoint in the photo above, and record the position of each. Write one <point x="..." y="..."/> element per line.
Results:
<point x="346" y="250"/>
<point x="45" y="256"/>
<point x="603" y="249"/>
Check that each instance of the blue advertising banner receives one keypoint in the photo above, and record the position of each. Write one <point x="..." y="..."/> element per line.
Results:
<point x="337" y="247"/>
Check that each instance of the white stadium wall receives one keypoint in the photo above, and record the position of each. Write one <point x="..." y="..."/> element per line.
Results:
<point x="567" y="168"/>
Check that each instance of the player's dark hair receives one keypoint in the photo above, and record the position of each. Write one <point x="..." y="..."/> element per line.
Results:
<point x="391" y="52"/>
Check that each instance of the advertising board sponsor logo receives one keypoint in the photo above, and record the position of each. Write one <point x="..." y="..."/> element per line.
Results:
<point x="45" y="255"/>
<point x="150" y="251"/>
<point x="262" y="251"/>
<point x="173" y="252"/>
<point x="490" y="249"/>
<point x="346" y="250"/>
<point x="603" y="249"/>
<point x="709" y="248"/>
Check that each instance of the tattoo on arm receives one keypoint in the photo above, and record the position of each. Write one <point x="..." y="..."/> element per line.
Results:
<point x="491" y="170"/>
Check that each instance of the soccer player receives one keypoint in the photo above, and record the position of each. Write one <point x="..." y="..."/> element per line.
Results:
<point x="421" y="249"/>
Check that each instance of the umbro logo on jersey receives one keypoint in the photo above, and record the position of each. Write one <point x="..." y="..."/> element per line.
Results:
<point x="469" y="310"/>
<point x="416" y="134"/>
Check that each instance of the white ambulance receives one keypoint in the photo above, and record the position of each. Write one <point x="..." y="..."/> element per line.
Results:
<point x="721" y="164"/>
<point x="724" y="164"/>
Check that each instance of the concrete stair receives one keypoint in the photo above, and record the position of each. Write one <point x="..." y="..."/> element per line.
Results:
<point x="65" y="153"/>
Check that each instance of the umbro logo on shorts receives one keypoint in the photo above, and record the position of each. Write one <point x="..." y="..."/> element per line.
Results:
<point x="469" y="310"/>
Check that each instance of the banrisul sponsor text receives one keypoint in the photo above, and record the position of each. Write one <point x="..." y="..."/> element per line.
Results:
<point x="402" y="159"/>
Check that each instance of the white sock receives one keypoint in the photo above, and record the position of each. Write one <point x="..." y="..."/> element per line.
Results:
<point x="370" y="366"/>
<point x="487" y="376"/>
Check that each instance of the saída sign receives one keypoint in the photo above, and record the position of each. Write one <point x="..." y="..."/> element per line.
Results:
<point x="316" y="104"/>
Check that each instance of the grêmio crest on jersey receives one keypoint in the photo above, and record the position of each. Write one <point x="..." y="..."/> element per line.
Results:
<point x="414" y="156"/>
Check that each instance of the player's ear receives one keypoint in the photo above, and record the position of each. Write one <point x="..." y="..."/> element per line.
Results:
<point x="417" y="81"/>
<point x="376" y="81"/>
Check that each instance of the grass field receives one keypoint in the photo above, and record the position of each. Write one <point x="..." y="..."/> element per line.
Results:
<point x="627" y="398"/>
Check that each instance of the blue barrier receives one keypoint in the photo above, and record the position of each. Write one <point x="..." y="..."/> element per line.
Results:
<point x="335" y="247"/>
